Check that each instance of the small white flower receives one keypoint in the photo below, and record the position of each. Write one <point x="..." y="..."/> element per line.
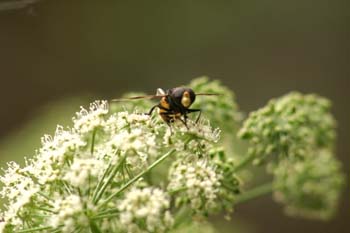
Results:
<point x="137" y="140"/>
<point x="196" y="136"/>
<point x="82" y="170"/>
<point x="87" y="120"/>
<point x="2" y="226"/>
<point x="70" y="213"/>
<point x="18" y="188"/>
<point x="54" y="153"/>
<point x="200" y="181"/>
<point x="121" y="120"/>
<point x="149" y="205"/>
<point x="203" y="130"/>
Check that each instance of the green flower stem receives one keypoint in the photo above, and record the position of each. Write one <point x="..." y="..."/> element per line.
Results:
<point x="34" y="229"/>
<point x="102" y="188"/>
<point x="44" y="195"/>
<point x="109" y="211"/>
<point x="244" y="162"/>
<point x="67" y="188"/>
<point x="133" y="180"/>
<point x="105" y="216"/>
<point x="93" y="141"/>
<point x="182" y="216"/>
<point x="100" y="182"/>
<point x="45" y="209"/>
<point x="94" y="228"/>
<point x="254" y="193"/>
<point x="56" y="231"/>
<point x="229" y="187"/>
<point x="174" y="191"/>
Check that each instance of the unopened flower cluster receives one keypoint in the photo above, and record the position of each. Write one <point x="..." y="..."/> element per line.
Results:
<point x="310" y="187"/>
<point x="296" y="134"/>
<point x="82" y="179"/>
<point x="292" y="125"/>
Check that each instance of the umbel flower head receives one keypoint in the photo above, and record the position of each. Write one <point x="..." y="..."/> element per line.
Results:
<point x="299" y="131"/>
<point x="87" y="178"/>
<point x="310" y="187"/>
<point x="293" y="125"/>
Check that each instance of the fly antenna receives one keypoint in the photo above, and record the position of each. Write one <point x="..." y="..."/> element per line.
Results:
<point x="208" y="94"/>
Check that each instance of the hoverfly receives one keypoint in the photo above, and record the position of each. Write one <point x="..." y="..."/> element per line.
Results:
<point x="174" y="104"/>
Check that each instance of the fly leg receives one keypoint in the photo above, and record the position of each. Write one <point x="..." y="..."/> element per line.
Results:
<point x="195" y="110"/>
<point x="166" y="117"/>
<point x="184" y="121"/>
<point x="170" y="116"/>
<point x="152" y="109"/>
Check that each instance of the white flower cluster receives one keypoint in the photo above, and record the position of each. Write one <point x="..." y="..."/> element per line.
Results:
<point x="149" y="206"/>
<point x="69" y="214"/>
<point x="55" y="151"/>
<point x="79" y="179"/>
<point x="199" y="180"/>
<point x="86" y="121"/>
<point x="192" y="139"/>
<point x="135" y="137"/>
<point x="18" y="189"/>
<point x="81" y="170"/>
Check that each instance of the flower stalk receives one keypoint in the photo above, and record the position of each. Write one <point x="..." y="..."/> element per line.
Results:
<point x="136" y="178"/>
<point x="100" y="188"/>
<point x="254" y="193"/>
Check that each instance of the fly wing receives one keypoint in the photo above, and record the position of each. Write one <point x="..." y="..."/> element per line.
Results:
<point x="207" y="94"/>
<point x="160" y="92"/>
<point x="138" y="97"/>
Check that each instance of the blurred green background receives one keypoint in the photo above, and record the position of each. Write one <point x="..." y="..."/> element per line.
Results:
<point x="57" y="54"/>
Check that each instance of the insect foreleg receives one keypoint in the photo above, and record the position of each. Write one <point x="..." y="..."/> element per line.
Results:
<point x="195" y="110"/>
<point x="152" y="109"/>
<point x="184" y="121"/>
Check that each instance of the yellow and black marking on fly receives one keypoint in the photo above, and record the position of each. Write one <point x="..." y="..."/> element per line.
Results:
<point x="174" y="103"/>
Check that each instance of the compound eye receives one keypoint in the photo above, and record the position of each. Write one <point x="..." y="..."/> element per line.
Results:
<point x="186" y="99"/>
